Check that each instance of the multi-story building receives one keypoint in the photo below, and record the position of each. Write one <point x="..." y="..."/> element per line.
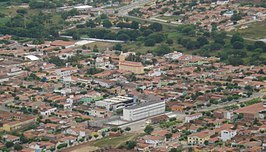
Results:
<point x="199" y="138"/>
<point x="144" y="110"/>
<point x="13" y="121"/>
<point x="114" y="103"/>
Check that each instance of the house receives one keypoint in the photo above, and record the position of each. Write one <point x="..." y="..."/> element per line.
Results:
<point x="80" y="133"/>
<point x="67" y="71"/>
<point x="199" y="138"/>
<point x="158" y="119"/>
<point x="173" y="56"/>
<point x="47" y="110"/>
<point x="13" y="121"/>
<point x="104" y="83"/>
<point x="42" y="146"/>
<point x="153" y="140"/>
<point x="252" y="112"/>
<point x="227" y="134"/>
<point x="192" y="117"/>
<point x="11" y="138"/>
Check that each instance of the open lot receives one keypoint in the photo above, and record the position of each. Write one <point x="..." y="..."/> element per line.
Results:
<point x="114" y="141"/>
<point x="255" y="30"/>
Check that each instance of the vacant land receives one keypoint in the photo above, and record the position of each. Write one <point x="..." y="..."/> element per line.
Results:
<point x="104" y="142"/>
<point x="101" y="46"/>
<point x="255" y="30"/>
<point x="114" y="141"/>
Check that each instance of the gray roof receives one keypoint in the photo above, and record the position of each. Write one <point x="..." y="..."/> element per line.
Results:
<point x="143" y="104"/>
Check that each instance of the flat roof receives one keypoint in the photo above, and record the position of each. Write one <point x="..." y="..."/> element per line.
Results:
<point x="83" y="7"/>
<point x="32" y="57"/>
<point x="143" y="104"/>
<point x="117" y="99"/>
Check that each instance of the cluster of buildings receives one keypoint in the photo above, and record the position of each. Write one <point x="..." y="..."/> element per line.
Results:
<point x="205" y="14"/>
<point x="212" y="131"/>
<point x="57" y="101"/>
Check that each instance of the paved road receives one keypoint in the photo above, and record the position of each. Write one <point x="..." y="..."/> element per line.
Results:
<point x="122" y="11"/>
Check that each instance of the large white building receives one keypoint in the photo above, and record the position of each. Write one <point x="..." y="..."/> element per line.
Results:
<point x="114" y="103"/>
<point x="144" y="110"/>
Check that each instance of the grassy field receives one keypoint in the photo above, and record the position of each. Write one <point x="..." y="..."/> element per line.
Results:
<point x="114" y="141"/>
<point x="168" y="18"/>
<point x="101" y="45"/>
<point x="255" y="30"/>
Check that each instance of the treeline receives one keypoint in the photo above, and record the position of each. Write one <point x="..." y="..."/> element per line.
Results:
<point x="233" y="50"/>
<point x="50" y="4"/>
<point x="38" y="26"/>
<point x="123" y="34"/>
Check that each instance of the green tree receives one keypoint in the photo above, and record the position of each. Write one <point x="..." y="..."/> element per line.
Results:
<point x="149" y="42"/>
<point x="236" y="38"/>
<point x="238" y="45"/>
<point x="162" y="50"/>
<point x="107" y="24"/>
<point x="236" y="17"/>
<point x="9" y="144"/>
<point x="202" y="41"/>
<point x="117" y="46"/>
<point x="157" y="27"/>
<point x="148" y="129"/>
<point x="134" y="24"/>
<point x="168" y="136"/>
<point x="131" y="144"/>
<point x="18" y="147"/>
<point x="90" y="24"/>
<point x="76" y="36"/>
<point x="127" y="129"/>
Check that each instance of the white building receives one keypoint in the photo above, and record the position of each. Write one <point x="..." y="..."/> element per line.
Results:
<point x="173" y="56"/>
<point x="47" y="111"/>
<point x="222" y="2"/>
<point x="192" y="117"/>
<point x="144" y="110"/>
<point x="227" y="134"/>
<point x="114" y="103"/>
<point x="84" y="9"/>
<point x="67" y="71"/>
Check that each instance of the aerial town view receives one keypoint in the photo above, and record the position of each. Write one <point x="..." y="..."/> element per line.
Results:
<point x="132" y="75"/>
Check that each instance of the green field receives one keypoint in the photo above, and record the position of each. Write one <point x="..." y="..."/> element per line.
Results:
<point x="255" y="31"/>
<point x="168" y="18"/>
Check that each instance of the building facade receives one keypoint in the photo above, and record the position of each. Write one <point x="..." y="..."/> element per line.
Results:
<point x="135" y="67"/>
<point x="144" y="110"/>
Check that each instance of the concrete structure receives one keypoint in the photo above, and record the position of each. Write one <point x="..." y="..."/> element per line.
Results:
<point x="114" y="103"/>
<point x="227" y="134"/>
<point x="135" y="67"/>
<point x="47" y="111"/>
<point x="67" y="71"/>
<point x="13" y="122"/>
<point x="199" y="138"/>
<point x="144" y="110"/>
<point x="192" y="117"/>
<point x="84" y="9"/>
